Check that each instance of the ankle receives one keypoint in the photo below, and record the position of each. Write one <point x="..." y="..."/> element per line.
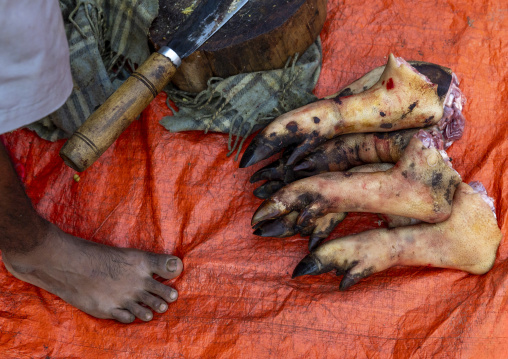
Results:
<point x="22" y="241"/>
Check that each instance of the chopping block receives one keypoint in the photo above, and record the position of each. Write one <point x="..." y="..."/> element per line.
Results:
<point x="260" y="37"/>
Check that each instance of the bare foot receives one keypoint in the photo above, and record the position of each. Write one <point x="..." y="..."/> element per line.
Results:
<point x="103" y="281"/>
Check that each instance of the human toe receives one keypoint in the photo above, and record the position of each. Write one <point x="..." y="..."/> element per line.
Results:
<point x="122" y="315"/>
<point x="165" y="292"/>
<point x="168" y="267"/>
<point x="139" y="311"/>
<point x="156" y="303"/>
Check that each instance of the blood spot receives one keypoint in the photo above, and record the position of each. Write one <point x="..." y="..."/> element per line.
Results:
<point x="316" y="120"/>
<point x="382" y="114"/>
<point x="389" y="84"/>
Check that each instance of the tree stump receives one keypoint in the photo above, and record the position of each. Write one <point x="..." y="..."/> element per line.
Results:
<point x="261" y="36"/>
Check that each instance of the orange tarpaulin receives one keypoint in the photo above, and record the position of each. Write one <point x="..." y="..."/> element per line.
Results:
<point x="178" y="193"/>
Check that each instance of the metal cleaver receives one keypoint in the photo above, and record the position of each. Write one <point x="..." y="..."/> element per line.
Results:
<point x="106" y="124"/>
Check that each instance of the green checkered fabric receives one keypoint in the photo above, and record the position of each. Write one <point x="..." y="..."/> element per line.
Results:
<point x="244" y="103"/>
<point x="104" y="36"/>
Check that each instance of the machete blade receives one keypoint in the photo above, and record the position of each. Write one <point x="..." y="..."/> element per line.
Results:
<point x="204" y="21"/>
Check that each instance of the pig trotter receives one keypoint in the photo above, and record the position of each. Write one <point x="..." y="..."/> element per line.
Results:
<point x="345" y="152"/>
<point x="468" y="240"/>
<point x="401" y="98"/>
<point x="424" y="170"/>
<point x="312" y="265"/>
<point x="286" y="227"/>
<point x="318" y="228"/>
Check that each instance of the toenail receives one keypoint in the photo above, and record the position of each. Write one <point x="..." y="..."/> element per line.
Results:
<point x="171" y="265"/>
<point x="173" y="294"/>
<point x="163" y="307"/>
<point x="148" y="316"/>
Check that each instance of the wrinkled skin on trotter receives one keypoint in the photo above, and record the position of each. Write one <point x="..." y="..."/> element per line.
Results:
<point x="345" y="152"/>
<point x="340" y="154"/>
<point x="420" y="186"/>
<point x="467" y="241"/>
<point x="402" y="98"/>
<point x="321" y="228"/>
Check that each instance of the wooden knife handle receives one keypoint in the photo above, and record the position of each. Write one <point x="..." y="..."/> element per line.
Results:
<point x="106" y="124"/>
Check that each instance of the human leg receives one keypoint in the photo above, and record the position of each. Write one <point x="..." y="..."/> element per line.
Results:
<point x="103" y="281"/>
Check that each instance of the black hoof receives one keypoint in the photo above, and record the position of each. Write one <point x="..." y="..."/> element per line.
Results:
<point x="266" y="190"/>
<point x="257" y="151"/>
<point x="314" y="241"/>
<point x="308" y="265"/>
<point x="273" y="229"/>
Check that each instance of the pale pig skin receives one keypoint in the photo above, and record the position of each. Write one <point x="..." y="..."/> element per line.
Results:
<point x="321" y="228"/>
<point x="324" y="226"/>
<point x="402" y="98"/>
<point x="467" y="241"/>
<point x="339" y="154"/>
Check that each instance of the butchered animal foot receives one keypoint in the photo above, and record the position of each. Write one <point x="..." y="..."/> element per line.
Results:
<point x="401" y="98"/>
<point x="468" y="240"/>
<point x="420" y="186"/>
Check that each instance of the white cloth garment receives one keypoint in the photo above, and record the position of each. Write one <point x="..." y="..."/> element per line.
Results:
<point x="35" y="75"/>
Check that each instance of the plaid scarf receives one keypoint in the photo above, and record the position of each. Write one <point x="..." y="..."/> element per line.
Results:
<point x="244" y="103"/>
<point x="104" y="37"/>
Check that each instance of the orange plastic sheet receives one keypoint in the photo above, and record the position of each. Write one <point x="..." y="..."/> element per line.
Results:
<point x="178" y="193"/>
